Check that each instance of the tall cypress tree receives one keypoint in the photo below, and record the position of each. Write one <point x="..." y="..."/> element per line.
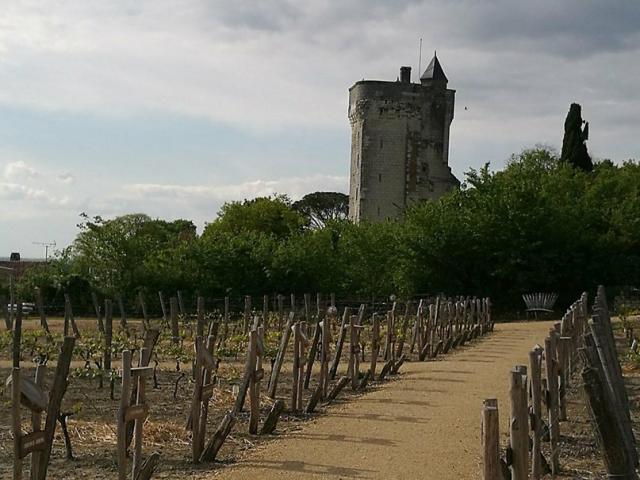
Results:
<point x="574" y="148"/>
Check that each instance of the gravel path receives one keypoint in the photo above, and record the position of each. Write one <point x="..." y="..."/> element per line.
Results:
<point x="423" y="426"/>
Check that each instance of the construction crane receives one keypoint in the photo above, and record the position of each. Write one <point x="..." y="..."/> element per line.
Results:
<point x="46" y="246"/>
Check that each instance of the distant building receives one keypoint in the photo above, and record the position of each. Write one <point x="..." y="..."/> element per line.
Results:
<point x="19" y="264"/>
<point x="399" y="143"/>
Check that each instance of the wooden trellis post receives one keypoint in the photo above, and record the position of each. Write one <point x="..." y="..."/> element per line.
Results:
<point x="183" y="312"/>
<point x="136" y="413"/>
<point x="163" y="307"/>
<point x="200" y="317"/>
<point x="375" y="344"/>
<point x="143" y="307"/>
<point x="519" y="424"/>
<point x="490" y="434"/>
<point x="325" y="325"/>
<point x="175" y="331"/>
<point x="205" y="368"/>
<point x="354" y="349"/>
<point x="280" y="311"/>
<point x="277" y="365"/>
<point x="41" y="312"/>
<point x="296" y="366"/>
<point x="123" y="313"/>
<point x="404" y="328"/>
<point x="535" y="367"/>
<point x="68" y="318"/>
<point x="340" y="343"/>
<point x="265" y="312"/>
<point x="247" y="314"/>
<point x="96" y="307"/>
<point x="53" y="408"/>
<point x="552" y="401"/>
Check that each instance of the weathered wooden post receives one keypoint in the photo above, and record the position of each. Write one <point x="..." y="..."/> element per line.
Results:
<point x="324" y="353"/>
<point x="296" y="366"/>
<point x="96" y="307"/>
<point x="55" y="400"/>
<point x="563" y="347"/>
<point x="280" y="311"/>
<point x="200" y="312"/>
<point x="490" y="432"/>
<point x="265" y="312"/>
<point x="225" y="321"/>
<point x="175" y="331"/>
<point x="254" y="383"/>
<point x="277" y="364"/>
<point x="123" y="314"/>
<point x="519" y="428"/>
<point x="340" y="343"/>
<point x="121" y="423"/>
<point x="314" y="343"/>
<point x="552" y="401"/>
<point x="611" y="437"/>
<point x="194" y="418"/>
<point x="247" y="314"/>
<point x="143" y="308"/>
<point x="536" y="412"/>
<point x="183" y="311"/>
<point x="375" y="343"/>
<point x="41" y="312"/>
<point x="354" y="349"/>
<point x="163" y="307"/>
<point x="69" y="318"/>
<point x="389" y="351"/>
<point x="108" y="337"/>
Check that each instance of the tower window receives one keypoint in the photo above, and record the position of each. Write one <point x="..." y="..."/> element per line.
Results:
<point x="380" y="178"/>
<point x="381" y="144"/>
<point x="378" y="210"/>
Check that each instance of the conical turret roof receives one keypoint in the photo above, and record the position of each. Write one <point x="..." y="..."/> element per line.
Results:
<point x="434" y="71"/>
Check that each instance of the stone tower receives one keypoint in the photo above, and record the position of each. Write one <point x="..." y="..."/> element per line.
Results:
<point x="399" y="143"/>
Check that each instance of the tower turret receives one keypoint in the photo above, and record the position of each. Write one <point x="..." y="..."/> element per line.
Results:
<point x="434" y="75"/>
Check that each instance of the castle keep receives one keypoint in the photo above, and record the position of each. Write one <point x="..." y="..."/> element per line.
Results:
<point x="399" y="143"/>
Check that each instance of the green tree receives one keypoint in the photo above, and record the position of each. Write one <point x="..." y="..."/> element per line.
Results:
<point x="270" y="215"/>
<point x="574" y="148"/>
<point x="322" y="207"/>
<point x="111" y="254"/>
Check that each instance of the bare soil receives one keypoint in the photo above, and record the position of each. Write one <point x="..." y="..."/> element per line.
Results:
<point x="422" y="424"/>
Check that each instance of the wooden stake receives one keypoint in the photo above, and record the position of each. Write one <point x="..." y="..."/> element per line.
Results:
<point x="16" y="422"/>
<point x="96" y="306"/>
<point x="340" y="343"/>
<point x="55" y="400"/>
<point x="519" y="428"/>
<point x="552" y="385"/>
<point x="271" y="421"/>
<point x="490" y="427"/>
<point x="277" y="365"/>
<point x="120" y="419"/>
<point x="536" y="414"/>
<point x="175" y="331"/>
<point x="254" y="384"/>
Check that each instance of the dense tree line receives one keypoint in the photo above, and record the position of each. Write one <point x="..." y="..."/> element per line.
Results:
<point x="540" y="224"/>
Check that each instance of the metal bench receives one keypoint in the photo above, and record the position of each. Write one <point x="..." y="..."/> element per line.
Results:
<point x="539" y="302"/>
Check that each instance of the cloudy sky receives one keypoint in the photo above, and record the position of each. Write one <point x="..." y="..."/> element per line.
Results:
<point x="171" y="107"/>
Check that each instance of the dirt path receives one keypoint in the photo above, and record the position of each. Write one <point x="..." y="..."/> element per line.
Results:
<point x="423" y="426"/>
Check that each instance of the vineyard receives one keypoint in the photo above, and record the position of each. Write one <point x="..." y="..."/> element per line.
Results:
<point x="190" y="390"/>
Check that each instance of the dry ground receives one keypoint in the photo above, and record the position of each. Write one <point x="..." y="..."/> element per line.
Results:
<point x="424" y="424"/>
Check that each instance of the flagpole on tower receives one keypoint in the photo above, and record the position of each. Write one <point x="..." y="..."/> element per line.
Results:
<point x="420" y="60"/>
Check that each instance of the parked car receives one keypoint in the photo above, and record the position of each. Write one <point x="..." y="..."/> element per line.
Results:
<point x="27" y="308"/>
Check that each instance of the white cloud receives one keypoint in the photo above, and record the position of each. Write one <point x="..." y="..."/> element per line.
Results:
<point x="295" y="187"/>
<point x="19" y="170"/>
<point x="66" y="178"/>
<point x="18" y="192"/>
